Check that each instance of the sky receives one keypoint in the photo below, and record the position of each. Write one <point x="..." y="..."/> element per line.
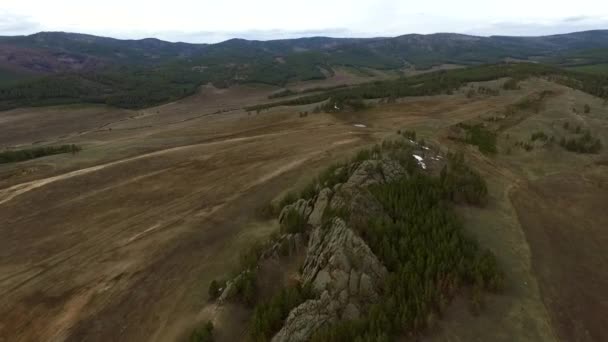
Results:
<point x="205" y="21"/>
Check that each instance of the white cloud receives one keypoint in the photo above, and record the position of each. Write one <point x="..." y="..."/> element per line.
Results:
<point x="14" y="24"/>
<point x="212" y="20"/>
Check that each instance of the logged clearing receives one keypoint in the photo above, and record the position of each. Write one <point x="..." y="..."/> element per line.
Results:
<point x="120" y="241"/>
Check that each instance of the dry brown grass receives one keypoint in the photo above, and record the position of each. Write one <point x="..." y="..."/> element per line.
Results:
<point x="126" y="250"/>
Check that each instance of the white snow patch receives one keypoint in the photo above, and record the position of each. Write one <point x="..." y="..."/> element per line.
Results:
<point x="360" y="125"/>
<point x="425" y="148"/>
<point x="412" y="141"/>
<point x="420" y="161"/>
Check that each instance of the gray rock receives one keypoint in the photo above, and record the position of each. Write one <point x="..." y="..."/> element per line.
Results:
<point x="230" y="289"/>
<point x="316" y="216"/>
<point x="304" y="320"/>
<point x="298" y="241"/>
<point x="339" y="248"/>
<point x="392" y="170"/>
<point x="353" y="283"/>
<point x="301" y="206"/>
<point x="227" y="293"/>
<point x="351" y="312"/>
<point x="365" y="174"/>
<point x="366" y="288"/>
<point x="340" y="261"/>
<point x="343" y="297"/>
<point x="321" y="281"/>
<point x="335" y="259"/>
<point x="339" y="280"/>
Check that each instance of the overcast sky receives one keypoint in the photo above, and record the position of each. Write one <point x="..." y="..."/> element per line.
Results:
<point x="206" y="21"/>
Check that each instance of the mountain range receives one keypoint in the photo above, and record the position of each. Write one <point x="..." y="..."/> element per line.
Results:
<point x="56" y="67"/>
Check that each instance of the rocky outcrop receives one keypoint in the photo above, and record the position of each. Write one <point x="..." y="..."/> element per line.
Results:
<point x="354" y="194"/>
<point x="348" y="276"/>
<point x="316" y="216"/>
<point x="286" y="245"/>
<point x="307" y="318"/>
<point x="371" y="172"/>
<point x="336" y="254"/>
<point x="302" y="207"/>
<point x="339" y="266"/>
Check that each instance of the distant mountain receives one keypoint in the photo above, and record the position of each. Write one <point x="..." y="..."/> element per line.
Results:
<point x="52" y="52"/>
<point x="134" y="73"/>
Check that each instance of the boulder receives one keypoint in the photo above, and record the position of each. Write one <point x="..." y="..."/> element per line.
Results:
<point x="321" y="281"/>
<point x="351" y="312"/>
<point x="353" y="283"/>
<point x="316" y="216"/>
<point x="305" y="319"/>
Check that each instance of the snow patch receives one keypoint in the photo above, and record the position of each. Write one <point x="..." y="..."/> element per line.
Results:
<point x="420" y="161"/>
<point x="360" y="125"/>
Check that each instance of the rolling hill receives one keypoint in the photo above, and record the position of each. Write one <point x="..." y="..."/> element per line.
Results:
<point x="56" y="67"/>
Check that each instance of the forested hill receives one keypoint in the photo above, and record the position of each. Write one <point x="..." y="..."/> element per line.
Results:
<point x="56" y="67"/>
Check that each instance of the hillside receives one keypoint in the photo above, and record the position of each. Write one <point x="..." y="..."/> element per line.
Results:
<point x="493" y="176"/>
<point x="54" y="67"/>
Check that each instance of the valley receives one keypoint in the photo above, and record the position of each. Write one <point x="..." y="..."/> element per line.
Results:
<point x="121" y="240"/>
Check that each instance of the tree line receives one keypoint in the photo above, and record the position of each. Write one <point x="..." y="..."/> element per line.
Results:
<point x="428" y="257"/>
<point x="13" y="156"/>
<point x="448" y="81"/>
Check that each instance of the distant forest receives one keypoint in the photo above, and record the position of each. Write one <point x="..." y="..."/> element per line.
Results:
<point x="448" y="81"/>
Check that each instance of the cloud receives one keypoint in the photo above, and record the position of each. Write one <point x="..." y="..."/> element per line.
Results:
<point x="17" y="24"/>
<point x="577" y="18"/>
<point x="541" y="27"/>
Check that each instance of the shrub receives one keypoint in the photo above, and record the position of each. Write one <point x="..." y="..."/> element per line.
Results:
<point x="479" y="136"/>
<point x="583" y="144"/>
<point x="462" y="184"/>
<point x="249" y="257"/>
<point x="214" y="289"/>
<point x="409" y="135"/>
<point x="12" y="156"/>
<point x="335" y="174"/>
<point x="203" y="334"/>
<point x="268" y="317"/>
<point x="539" y="136"/>
<point x="293" y="222"/>
<point x="511" y="84"/>
<point x="246" y="287"/>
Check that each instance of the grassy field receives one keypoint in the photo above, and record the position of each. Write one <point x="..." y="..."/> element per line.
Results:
<point x="120" y="241"/>
<point x="601" y="69"/>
